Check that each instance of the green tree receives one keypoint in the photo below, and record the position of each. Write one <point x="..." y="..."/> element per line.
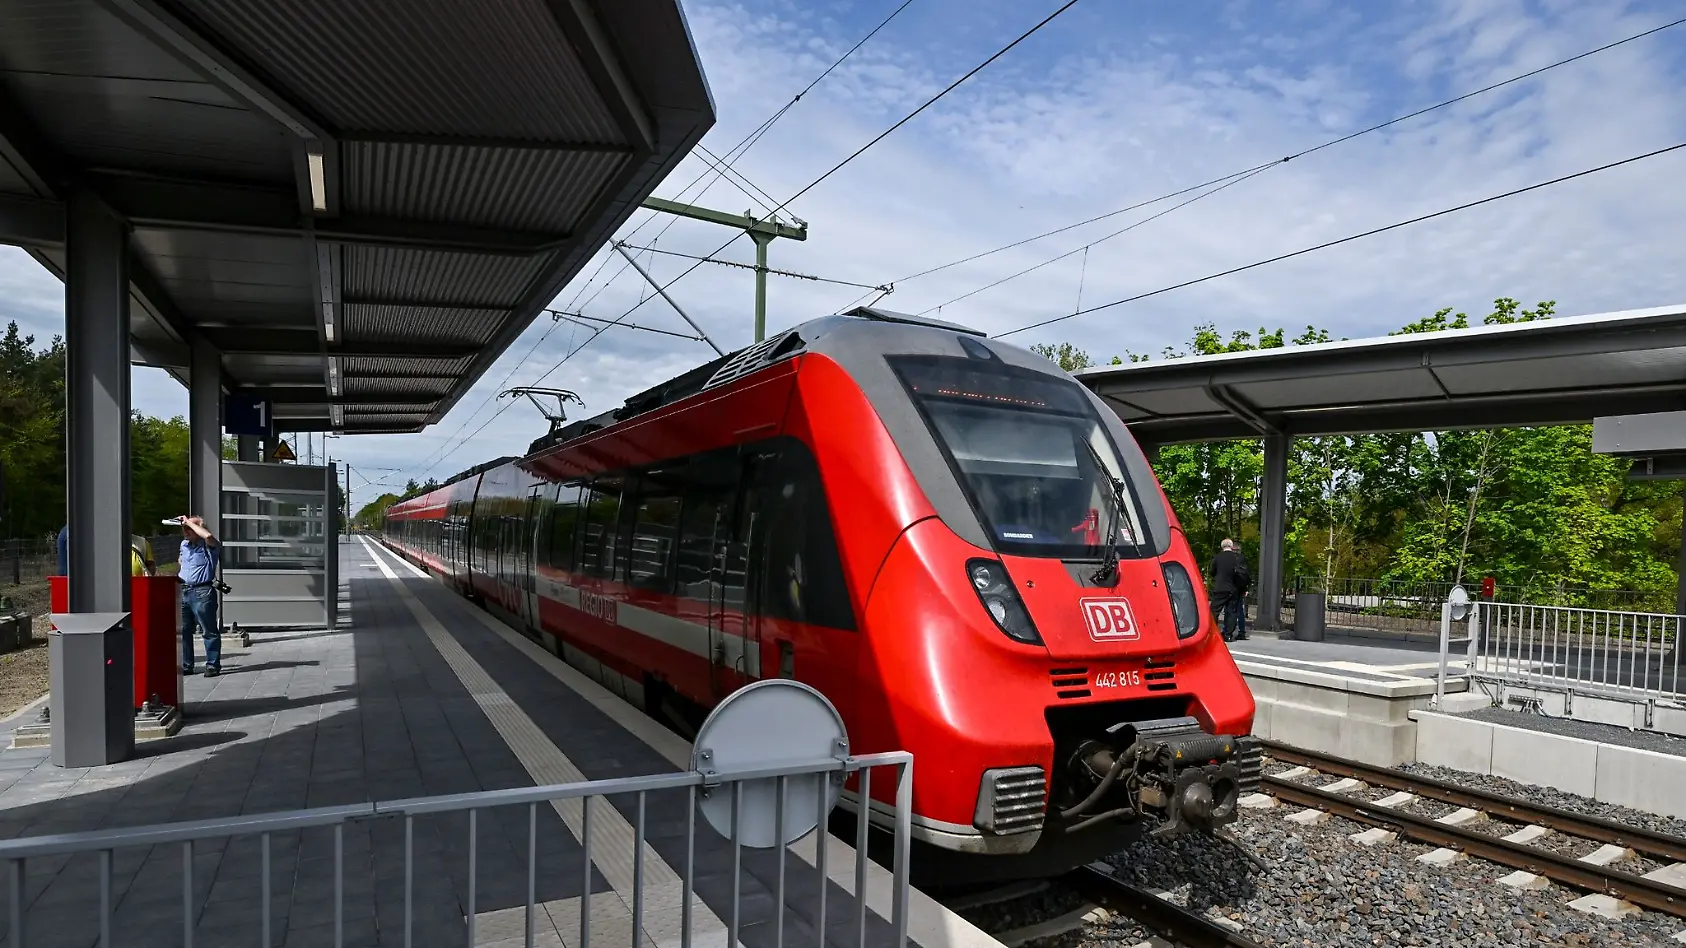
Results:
<point x="1065" y="355"/>
<point x="371" y="515"/>
<point x="1532" y="507"/>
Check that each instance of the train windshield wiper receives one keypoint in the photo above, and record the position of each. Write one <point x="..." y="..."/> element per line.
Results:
<point x="1107" y="573"/>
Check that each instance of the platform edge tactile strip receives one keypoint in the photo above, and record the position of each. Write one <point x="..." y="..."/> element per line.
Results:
<point x="930" y="924"/>
<point x="612" y="837"/>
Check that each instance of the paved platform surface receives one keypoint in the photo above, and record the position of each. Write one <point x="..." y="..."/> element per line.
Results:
<point x="1393" y="660"/>
<point x="1585" y="730"/>
<point x="422" y="695"/>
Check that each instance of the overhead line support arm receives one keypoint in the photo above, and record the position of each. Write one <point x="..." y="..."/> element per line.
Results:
<point x="660" y="289"/>
<point x="761" y="231"/>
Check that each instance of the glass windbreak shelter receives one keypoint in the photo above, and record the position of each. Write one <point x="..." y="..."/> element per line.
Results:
<point x="280" y="545"/>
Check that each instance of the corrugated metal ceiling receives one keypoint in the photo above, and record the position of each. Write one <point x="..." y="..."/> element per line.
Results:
<point x="1558" y="371"/>
<point x="471" y="159"/>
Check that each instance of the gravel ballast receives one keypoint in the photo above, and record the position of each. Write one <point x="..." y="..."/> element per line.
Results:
<point x="1585" y="806"/>
<point x="1323" y="889"/>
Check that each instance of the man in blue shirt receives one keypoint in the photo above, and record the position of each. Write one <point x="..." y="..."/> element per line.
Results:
<point x="199" y="555"/>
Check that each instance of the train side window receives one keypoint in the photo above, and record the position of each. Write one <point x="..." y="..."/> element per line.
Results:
<point x="655" y="523"/>
<point x="710" y="484"/>
<point x="703" y="505"/>
<point x="564" y="517"/>
<point x="601" y="519"/>
<point x="803" y="578"/>
<point x="544" y="510"/>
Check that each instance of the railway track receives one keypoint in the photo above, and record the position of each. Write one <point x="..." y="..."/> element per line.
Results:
<point x="1585" y="872"/>
<point x="1104" y="896"/>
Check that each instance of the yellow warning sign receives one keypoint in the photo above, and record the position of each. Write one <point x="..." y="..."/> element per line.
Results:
<point x="282" y="452"/>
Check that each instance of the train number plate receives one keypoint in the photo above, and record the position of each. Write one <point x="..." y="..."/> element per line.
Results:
<point x="1109" y="619"/>
<point x="1123" y="679"/>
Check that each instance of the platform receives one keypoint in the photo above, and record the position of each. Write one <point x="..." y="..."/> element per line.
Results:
<point x="422" y="694"/>
<point x="1348" y="698"/>
<point x="1636" y="769"/>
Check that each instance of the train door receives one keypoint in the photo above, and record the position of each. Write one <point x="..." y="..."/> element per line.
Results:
<point x="734" y="619"/>
<point x="532" y="530"/>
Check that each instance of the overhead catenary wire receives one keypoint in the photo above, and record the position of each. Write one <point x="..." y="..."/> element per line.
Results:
<point x="751" y="266"/>
<point x="732" y="154"/>
<point x="505" y="406"/>
<point x="591" y="322"/>
<point x="1086" y="247"/>
<point x="743" y="146"/>
<point x="737" y="179"/>
<point x="1299" y="154"/>
<point x="875" y="140"/>
<point x="1350" y="238"/>
<point x="506" y="377"/>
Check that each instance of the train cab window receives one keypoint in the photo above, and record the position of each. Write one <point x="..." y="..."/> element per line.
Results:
<point x="564" y="517"/>
<point x="655" y="524"/>
<point x="601" y="518"/>
<point x="1036" y="463"/>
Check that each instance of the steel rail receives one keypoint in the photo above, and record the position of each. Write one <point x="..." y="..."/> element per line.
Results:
<point x="1644" y="841"/>
<point x="1647" y="893"/>
<point x="1186" y="928"/>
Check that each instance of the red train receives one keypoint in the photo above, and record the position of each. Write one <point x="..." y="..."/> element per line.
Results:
<point x="949" y="537"/>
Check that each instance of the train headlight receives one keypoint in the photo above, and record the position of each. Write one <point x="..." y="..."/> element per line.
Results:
<point x="1185" y="606"/>
<point x="995" y="590"/>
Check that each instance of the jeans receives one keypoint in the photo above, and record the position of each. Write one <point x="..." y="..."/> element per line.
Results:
<point x="199" y="607"/>
<point x="1230" y="609"/>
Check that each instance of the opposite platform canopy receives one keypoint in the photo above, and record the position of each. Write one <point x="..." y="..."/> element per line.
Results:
<point x="360" y="203"/>
<point x="1556" y="371"/>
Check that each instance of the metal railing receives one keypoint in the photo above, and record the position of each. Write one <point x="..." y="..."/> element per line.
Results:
<point x="1630" y="656"/>
<point x="32" y="561"/>
<point x="1413" y="608"/>
<point x="18" y="854"/>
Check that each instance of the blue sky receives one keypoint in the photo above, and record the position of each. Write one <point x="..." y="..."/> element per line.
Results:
<point x="1116" y="102"/>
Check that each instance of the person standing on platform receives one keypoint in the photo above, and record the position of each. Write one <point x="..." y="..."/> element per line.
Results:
<point x="1230" y="580"/>
<point x="141" y="560"/>
<point x="199" y="555"/>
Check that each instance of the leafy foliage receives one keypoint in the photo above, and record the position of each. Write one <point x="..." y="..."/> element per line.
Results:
<point x="32" y="447"/>
<point x="1531" y="507"/>
<point x="372" y="514"/>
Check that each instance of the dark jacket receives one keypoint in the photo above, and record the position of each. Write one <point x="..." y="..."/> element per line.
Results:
<point x="1224" y="567"/>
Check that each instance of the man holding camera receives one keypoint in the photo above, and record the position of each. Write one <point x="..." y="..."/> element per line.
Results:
<point x="199" y="556"/>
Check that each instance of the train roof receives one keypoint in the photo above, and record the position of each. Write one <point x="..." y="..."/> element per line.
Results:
<point x="731" y="366"/>
<point x="479" y="469"/>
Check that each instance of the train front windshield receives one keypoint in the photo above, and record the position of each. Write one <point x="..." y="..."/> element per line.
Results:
<point x="1035" y="461"/>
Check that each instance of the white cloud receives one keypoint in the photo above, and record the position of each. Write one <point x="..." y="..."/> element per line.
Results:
<point x="1115" y="103"/>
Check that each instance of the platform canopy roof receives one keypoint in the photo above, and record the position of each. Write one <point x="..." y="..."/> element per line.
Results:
<point x="360" y="203"/>
<point x="1556" y="371"/>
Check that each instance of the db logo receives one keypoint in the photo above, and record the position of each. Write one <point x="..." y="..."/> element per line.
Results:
<point x="1109" y="619"/>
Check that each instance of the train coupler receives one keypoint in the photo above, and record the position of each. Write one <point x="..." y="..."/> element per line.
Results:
<point x="1169" y="772"/>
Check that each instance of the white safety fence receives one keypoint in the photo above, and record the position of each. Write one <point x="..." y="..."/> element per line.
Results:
<point x="1516" y="647"/>
<point x="750" y="802"/>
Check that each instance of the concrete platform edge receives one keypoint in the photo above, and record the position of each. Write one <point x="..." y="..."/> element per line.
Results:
<point x="1610" y="773"/>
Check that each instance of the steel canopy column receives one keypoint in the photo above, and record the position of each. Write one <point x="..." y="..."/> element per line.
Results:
<point x="250" y="448"/>
<point x="96" y="309"/>
<point x="1273" y="503"/>
<point x="204" y="423"/>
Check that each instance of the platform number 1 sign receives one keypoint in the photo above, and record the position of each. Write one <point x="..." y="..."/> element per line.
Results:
<point x="248" y="415"/>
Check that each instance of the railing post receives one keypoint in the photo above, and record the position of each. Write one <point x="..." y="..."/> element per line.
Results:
<point x="1445" y="652"/>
